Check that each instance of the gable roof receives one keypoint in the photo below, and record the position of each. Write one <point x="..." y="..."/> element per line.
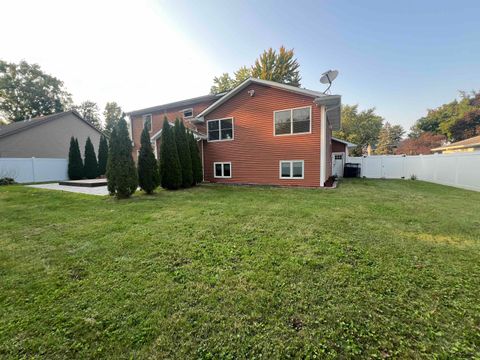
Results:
<point x="19" y="126"/>
<point x="349" y="144"/>
<point x="196" y="134"/>
<point x="176" y="104"/>
<point x="471" y="142"/>
<point x="323" y="99"/>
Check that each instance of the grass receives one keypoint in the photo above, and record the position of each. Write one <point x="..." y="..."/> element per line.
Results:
<point x="373" y="269"/>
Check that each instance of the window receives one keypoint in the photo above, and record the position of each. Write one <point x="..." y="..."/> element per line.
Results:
<point x="221" y="129"/>
<point x="291" y="169"/>
<point x="187" y="113"/>
<point x="222" y="169"/>
<point x="292" y="121"/>
<point x="147" y="122"/>
<point x="338" y="157"/>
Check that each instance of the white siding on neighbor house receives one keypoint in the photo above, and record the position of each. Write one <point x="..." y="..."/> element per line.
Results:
<point x="458" y="169"/>
<point x="25" y="170"/>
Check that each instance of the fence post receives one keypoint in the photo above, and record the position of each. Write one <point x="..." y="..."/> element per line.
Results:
<point x="33" y="168"/>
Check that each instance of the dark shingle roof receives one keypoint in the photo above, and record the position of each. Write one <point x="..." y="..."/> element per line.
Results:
<point x="175" y="104"/>
<point x="16" y="127"/>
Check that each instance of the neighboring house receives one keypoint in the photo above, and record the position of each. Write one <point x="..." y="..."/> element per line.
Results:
<point x="46" y="136"/>
<point x="467" y="145"/>
<point x="261" y="132"/>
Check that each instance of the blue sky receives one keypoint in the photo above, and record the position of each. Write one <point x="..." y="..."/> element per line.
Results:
<point x="401" y="57"/>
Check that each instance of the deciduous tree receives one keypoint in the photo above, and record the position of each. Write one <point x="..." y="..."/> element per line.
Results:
<point x="420" y="145"/>
<point x="148" y="173"/>
<point x="90" y="112"/>
<point x="26" y="92"/>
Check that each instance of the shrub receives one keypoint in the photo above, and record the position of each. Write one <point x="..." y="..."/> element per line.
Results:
<point x="75" y="163"/>
<point x="7" y="181"/>
<point x="183" y="153"/>
<point x="90" y="168"/>
<point x="102" y="156"/>
<point x="148" y="173"/>
<point x="196" y="160"/>
<point x="121" y="173"/>
<point x="171" y="173"/>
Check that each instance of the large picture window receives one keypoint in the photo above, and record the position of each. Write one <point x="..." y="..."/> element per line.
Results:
<point x="291" y="169"/>
<point x="219" y="130"/>
<point x="292" y="121"/>
<point x="222" y="169"/>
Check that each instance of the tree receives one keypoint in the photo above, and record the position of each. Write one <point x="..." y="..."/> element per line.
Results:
<point x="148" y="173"/>
<point x="420" y="145"/>
<point x="90" y="167"/>
<point x="112" y="113"/>
<point x="222" y="84"/>
<point x="280" y="67"/>
<point x="26" y="92"/>
<point x="361" y="128"/>
<point x="170" y="170"/>
<point x="90" y="112"/>
<point x="183" y="153"/>
<point x="75" y="163"/>
<point x="102" y="156"/>
<point x="389" y="138"/>
<point x="466" y="127"/>
<point x="196" y="160"/>
<point x="121" y="172"/>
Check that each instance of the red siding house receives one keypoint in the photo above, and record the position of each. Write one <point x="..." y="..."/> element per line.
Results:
<point x="261" y="132"/>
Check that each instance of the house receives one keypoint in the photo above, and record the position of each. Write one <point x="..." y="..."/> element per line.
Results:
<point x="46" y="136"/>
<point x="467" y="145"/>
<point x="261" y="132"/>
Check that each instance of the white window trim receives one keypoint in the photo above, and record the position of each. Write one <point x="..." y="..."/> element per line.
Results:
<point x="222" y="163"/>
<point x="291" y="170"/>
<point x="183" y="112"/>
<point x="220" y="130"/>
<point x="151" y="122"/>
<point x="291" y="121"/>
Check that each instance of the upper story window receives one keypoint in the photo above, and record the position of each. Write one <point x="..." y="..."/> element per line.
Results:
<point x="220" y="130"/>
<point x="187" y="113"/>
<point x="147" y="121"/>
<point x="293" y="121"/>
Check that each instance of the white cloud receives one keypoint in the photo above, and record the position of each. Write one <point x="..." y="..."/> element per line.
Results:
<point x="125" y="51"/>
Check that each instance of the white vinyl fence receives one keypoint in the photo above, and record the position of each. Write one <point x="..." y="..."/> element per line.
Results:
<point x="457" y="169"/>
<point x="25" y="170"/>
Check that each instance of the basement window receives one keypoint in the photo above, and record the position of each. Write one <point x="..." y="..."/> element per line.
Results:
<point x="220" y="130"/>
<point x="222" y="170"/>
<point x="291" y="169"/>
<point x="293" y="121"/>
<point x="147" y="122"/>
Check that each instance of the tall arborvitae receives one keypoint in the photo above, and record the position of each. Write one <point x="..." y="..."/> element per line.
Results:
<point x="90" y="167"/>
<point x="183" y="153"/>
<point x="111" y="179"/>
<point x="102" y="156"/>
<point x="170" y="170"/>
<point x="121" y="173"/>
<point x="148" y="174"/>
<point x="75" y="164"/>
<point x="196" y="160"/>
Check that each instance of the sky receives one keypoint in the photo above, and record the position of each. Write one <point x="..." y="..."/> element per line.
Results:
<point x="401" y="57"/>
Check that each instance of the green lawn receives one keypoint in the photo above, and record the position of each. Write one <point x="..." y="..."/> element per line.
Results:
<point x="373" y="269"/>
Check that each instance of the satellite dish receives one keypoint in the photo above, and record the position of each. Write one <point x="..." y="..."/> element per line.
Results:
<point x="328" y="77"/>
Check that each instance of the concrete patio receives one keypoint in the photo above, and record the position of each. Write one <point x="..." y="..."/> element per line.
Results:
<point x="97" y="190"/>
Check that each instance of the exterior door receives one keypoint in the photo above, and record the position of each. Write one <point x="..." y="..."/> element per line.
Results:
<point x="338" y="162"/>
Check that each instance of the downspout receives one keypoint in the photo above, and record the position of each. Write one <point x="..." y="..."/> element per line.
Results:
<point x="323" y="146"/>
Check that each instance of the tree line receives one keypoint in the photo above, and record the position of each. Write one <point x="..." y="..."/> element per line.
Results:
<point x="180" y="165"/>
